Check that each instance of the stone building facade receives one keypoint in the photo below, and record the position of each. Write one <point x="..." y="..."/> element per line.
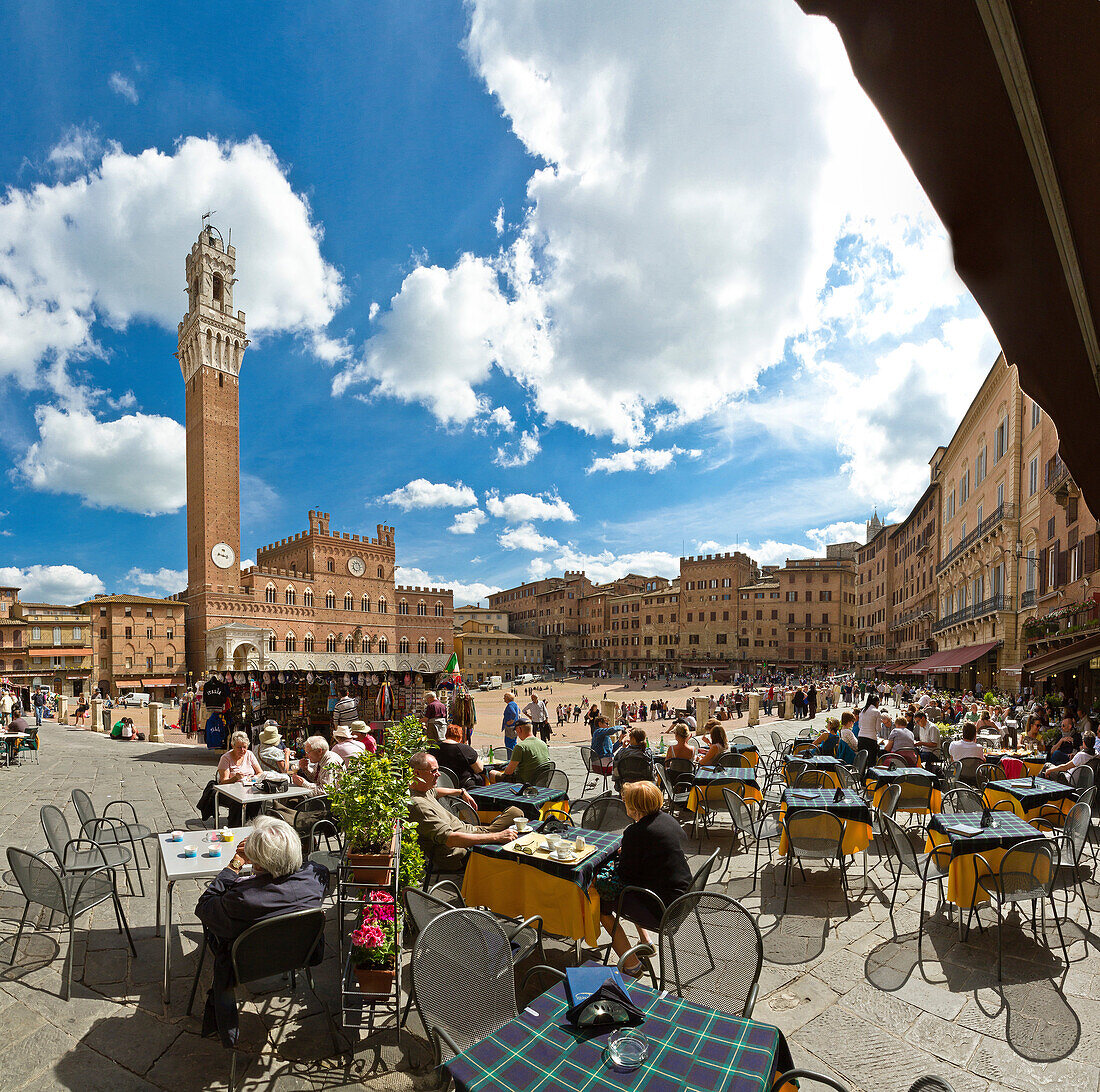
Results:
<point x="874" y="645"/>
<point x="817" y="604"/>
<point x="137" y="644"/>
<point x="758" y="625"/>
<point x="915" y="548"/>
<point x="44" y="644"/>
<point x="485" y="650"/>
<point x="709" y="602"/>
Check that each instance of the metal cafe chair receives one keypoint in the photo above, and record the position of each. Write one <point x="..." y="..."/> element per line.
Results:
<point x="593" y="768"/>
<point x="559" y="782"/>
<point x="606" y="813"/>
<point x="814" y="779"/>
<point x="135" y="832"/>
<point x="804" y="1075"/>
<point x="446" y="779"/>
<point x="766" y="827"/>
<point x="965" y="770"/>
<point x="631" y="768"/>
<point x="542" y="775"/>
<point x="1073" y="833"/>
<point x="916" y="797"/>
<point x="285" y="944"/>
<point x="71" y="858"/>
<point x="731" y="760"/>
<point x="709" y="952"/>
<point x="676" y="796"/>
<point x="815" y="835"/>
<point x="986" y="772"/>
<point x="67" y="893"/>
<point x="1026" y="873"/>
<point x="961" y="800"/>
<point x="927" y="867"/>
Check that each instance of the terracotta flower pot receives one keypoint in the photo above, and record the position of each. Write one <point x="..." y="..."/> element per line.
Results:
<point x="374" y="868"/>
<point x="375" y="979"/>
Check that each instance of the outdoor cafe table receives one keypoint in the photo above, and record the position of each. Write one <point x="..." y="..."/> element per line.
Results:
<point x="707" y="785"/>
<point x="691" y="1049"/>
<point x="174" y="866"/>
<point x="965" y="837"/>
<point x="851" y="809"/>
<point x="827" y="763"/>
<point x="243" y="794"/>
<point x="1032" y="764"/>
<point x="491" y="800"/>
<point x="563" y="895"/>
<point x="880" y="778"/>
<point x="12" y="741"/>
<point x="1027" y="799"/>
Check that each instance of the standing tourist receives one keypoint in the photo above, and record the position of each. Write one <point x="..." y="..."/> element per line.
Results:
<point x="508" y="723"/>
<point x="540" y="718"/>
<point x="435" y="716"/>
<point x="869" y="722"/>
<point x="345" y="710"/>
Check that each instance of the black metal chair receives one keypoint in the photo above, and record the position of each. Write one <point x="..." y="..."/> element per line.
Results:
<point x="859" y="766"/>
<point x="446" y="779"/>
<point x="461" y="810"/>
<point x="893" y="762"/>
<point x="732" y="760"/>
<point x="961" y="800"/>
<point x="814" y="779"/>
<point x="927" y="867"/>
<point x="916" y="797"/>
<point x="1073" y="834"/>
<point x="542" y="775"/>
<point x="105" y="830"/>
<point x="559" y="782"/>
<point x="136" y="832"/>
<point x="801" y="1076"/>
<point x="1026" y="873"/>
<point x="632" y="767"/>
<point x="815" y="835"/>
<point x="965" y="771"/>
<point x="986" y="772"/>
<point x="307" y="814"/>
<point x="593" y="768"/>
<point x="71" y="858"/>
<point x="605" y="813"/>
<point x="285" y="944"/>
<point x="67" y="893"/>
<point x="765" y="827"/>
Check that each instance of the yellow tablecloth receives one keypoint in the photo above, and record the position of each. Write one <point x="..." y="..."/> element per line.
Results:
<point x="993" y="797"/>
<point x="937" y="798"/>
<point x="964" y="870"/>
<point x="515" y="888"/>
<point x="559" y="806"/>
<point x="857" y="835"/>
<point x="713" y="794"/>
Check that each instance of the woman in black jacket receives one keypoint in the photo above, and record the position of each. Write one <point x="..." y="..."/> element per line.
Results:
<point x="651" y="856"/>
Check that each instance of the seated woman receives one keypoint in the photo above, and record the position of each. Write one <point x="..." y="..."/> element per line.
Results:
<point x="680" y="748"/>
<point x="847" y="732"/>
<point x="1080" y="758"/>
<point x="279" y="884"/>
<point x="237" y="764"/>
<point x="719" y="745"/>
<point x="637" y="747"/>
<point x="831" y="743"/>
<point x="651" y="856"/>
<point x="270" y="753"/>
<point x="1033" y="734"/>
<point x="902" y="743"/>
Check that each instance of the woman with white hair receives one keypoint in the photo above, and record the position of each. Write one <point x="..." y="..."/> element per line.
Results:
<point x="239" y="764"/>
<point x="279" y="884"/>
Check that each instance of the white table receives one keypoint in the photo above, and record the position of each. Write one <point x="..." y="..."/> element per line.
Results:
<point x="249" y="794"/>
<point x="175" y="867"/>
<point x="10" y="738"/>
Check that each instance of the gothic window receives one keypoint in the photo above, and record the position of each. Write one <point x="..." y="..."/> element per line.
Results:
<point x="367" y="641"/>
<point x="381" y="573"/>
<point x="217" y="288"/>
<point x="381" y="604"/>
<point x="349" y="601"/>
<point x="307" y="598"/>
<point x="349" y="645"/>
<point x="330" y="600"/>
<point x="383" y="645"/>
<point x="365" y="604"/>
<point x="422" y="609"/>
<point x="439" y="610"/>
<point x="422" y="646"/>
<point x="330" y="643"/>
<point x="290" y="643"/>
<point x="271" y="643"/>
<point x="331" y="565"/>
<point x="291" y="598"/>
<point x="403" y="607"/>
<point x="403" y="645"/>
<point x="269" y="593"/>
<point x="307" y="642"/>
<point x="439" y="646"/>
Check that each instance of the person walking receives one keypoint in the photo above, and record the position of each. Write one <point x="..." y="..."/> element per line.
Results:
<point x="508" y="723"/>
<point x="536" y="710"/>
<point x="39" y="703"/>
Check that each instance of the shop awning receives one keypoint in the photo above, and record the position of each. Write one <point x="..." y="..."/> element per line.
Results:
<point x="587" y="663"/>
<point x="137" y="684"/>
<point x="1059" y="659"/>
<point x="967" y="654"/>
<point x="926" y="666"/>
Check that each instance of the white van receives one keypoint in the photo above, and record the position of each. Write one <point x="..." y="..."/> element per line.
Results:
<point x="495" y="682"/>
<point x="135" y="699"/>
<point x="522" y="680"/>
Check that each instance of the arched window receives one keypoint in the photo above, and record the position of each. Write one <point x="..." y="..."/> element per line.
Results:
<point x="331" y="565"/>
<point x="330" y="600"/>
<point x="291" y="598"/>
<point x="269" y="593"/>
<point x="307" y="642"/>
<point x="381" y="604"/>
<point x="422" y="646"/>
<point x="217" y="293"/>
<point x="421" y="608"/>
<point x="271" y="643"/>
<point x="330" y="643"/>
<point x="364" y="604"/>
<point x="349" y="601"/>
<point x="439" y="646"/>
<point x="307" y="598"/>
<point x="290" y="644"/>
<point x="439" y="610"/>
<point x="349" y="645"/>
<point x="381" y="573"/>
<point x="383" y="645"/>
<point x="403" y="607"/>
<point x="403" y="645"/>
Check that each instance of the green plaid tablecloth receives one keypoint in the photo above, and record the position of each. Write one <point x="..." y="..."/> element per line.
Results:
<point x="505" y="794"/>
<point x="723" y="777"/>
<point x="965" y="834"/>
<point x="1044" y="791"/>
<point x="582" y="874"/>
<point x="691" y="1049"/>
<point x="850" y="806"/>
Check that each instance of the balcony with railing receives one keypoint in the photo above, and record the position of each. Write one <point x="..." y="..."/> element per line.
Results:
<point x="990" y="523"/>
<point x="1059" y="482"/>
<point x="1027" y="599"/>
<point x="976" y="610"/>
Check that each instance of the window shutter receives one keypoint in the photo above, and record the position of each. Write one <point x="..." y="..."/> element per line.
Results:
<point x="1060" y="571"/>
<point x="1090" y="553"/>
<point x="1042" y="565"/>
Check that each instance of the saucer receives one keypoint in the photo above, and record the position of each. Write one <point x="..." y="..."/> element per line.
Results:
<point x="564" y="858"/>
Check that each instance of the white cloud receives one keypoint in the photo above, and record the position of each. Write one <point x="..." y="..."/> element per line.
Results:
<point x="524" y="507"/>
<point x="518" y="452"/>
<point x="636" y="458"/>
<point x="841" y="531"/>
<point x="463" y="593"/>
<point x="259" y="501"/>
<point x="163" y="581"/>
<point x="75" y="150"/>
<point x="124" y="86"/>
<point x="774" y="552"/>
<point x="502" y="418"/>
<point x="52" y="583"/>
<point x="93" y="249"/>
<point x="466" y="523"/>
<point x="606" y="565"/>
<point x="498" y="222"/>
<point x="525" y="537"/>
<point x="421" y="493"/>
<point x="135" y="463"/>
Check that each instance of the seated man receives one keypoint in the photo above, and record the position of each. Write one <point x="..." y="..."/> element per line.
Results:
<point x="279" y="884"/>
<point x="460" y="758"/>
<point x="637" y="747"/>
<point x="967" y="747"/>
<point x="443" y="837"/>
<point x="320" y="768"/>
<point x="928" y="739"/>
<point x="604" y="739"/>
<point x="527" y="755"/>
<point x="1080" y="758"/>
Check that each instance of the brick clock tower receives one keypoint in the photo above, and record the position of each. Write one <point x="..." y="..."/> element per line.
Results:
<point x="211" y="348"/>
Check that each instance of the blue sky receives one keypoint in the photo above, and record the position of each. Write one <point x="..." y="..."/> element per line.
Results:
<point x="545" y="285"/>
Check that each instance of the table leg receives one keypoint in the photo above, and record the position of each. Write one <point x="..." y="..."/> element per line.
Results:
<point x="217" y="796"/>
<point x="160" y="866"/>
<point x="166" y="992"/>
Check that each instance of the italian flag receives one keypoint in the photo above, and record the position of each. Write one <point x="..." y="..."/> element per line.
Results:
<point x="452" y="664"/>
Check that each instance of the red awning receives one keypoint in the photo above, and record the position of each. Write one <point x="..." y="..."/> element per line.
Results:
<point x="960" y="657"/>
<point x="924" y="667"/>
<point x="1060" y="659"/>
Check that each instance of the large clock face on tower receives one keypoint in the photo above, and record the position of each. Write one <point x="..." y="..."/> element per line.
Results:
<point x="356" y="566"/>
<point x="222" y="555"/>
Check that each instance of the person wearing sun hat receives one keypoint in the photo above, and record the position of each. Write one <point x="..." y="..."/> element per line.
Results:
<point x="344" y="742"/>
<point x="269" y="749"/>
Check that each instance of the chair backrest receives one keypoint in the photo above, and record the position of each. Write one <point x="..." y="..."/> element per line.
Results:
<point x="461" y="810"/>
<point x="888" y="801"/>
<point x="327" y="829"/>
<point x="447" y="779"/>
<point x="674" y="767"/>
<point x="309" y="812"/>
<point x="605" y="813"/>
<point x="56" y="828"/>
<point x="795" y="767"/>
<point x="813" y="779"/>
<point x="1036" y="857"/>
<point x="1076" y="828"/>
<point x="634" y="768"/>
<point x="966" y="769"/>
<point x="960" y="800"/>
<point x="559" y="781"/>
<point x="423" y="906"/>
<point x="742" y="741"/>
<point x="916" y="791"/>
<point x="1088" y="796"/>
<point x="809" y="829"/>
<point x="988" y="771"/>
<point x="731" y="760"/>
<point x="892" y="762"/>
<point x="39" y="882"/>
<point x="702" y="874"/>
<point x="899" y="842"/>
<point x="1082" y="777"/>
<point x="711" y="951"/>
<point x="85" y="809"/>
<point x="738" y="809"/>
<point x="463" y="976"/>
<point x="542" y="775"/>
<point x="586" y="757"/>
<point x="287" y="942"/>
<point x="777" y="741"/>
<point x="860" y="764"/>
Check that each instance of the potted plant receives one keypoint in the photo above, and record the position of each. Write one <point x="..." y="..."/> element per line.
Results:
<point x="374" y="944"/>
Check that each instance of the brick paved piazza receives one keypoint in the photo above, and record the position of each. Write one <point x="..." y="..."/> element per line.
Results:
<point x="851" y="999"/>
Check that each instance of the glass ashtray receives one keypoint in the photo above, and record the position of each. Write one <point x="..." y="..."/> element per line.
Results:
<point x="627" y="1049"/>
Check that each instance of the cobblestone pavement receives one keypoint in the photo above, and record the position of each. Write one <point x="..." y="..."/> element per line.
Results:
<point x="848" y="993"/>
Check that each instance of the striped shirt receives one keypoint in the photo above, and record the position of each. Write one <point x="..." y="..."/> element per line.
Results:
<point x="345" y="711"/>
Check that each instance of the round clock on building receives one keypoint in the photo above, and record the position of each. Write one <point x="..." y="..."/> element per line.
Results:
<point x="222" y="555"/>
<point x="356" y="566"/>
